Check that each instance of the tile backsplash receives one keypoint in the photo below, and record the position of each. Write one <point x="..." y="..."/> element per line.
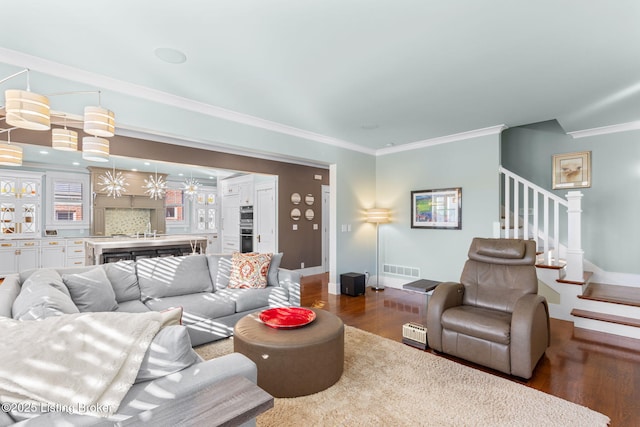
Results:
<point x="126" y="221"/>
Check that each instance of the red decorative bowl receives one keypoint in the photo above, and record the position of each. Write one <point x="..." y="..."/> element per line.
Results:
<point x="287" y="317"/>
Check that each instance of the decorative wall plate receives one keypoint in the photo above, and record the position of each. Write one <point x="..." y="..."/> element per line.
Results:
<point x="295" y="198"/>
<point x="295" y="214"/>
<point x="309" y="199"/>
<point x="309" y="214"/>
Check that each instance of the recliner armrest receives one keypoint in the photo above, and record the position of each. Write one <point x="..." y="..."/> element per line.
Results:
<point x="530" y="333"/>
<point x="445" y="296"/>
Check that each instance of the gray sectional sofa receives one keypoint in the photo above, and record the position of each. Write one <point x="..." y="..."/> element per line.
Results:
<point x="197" y="283"/>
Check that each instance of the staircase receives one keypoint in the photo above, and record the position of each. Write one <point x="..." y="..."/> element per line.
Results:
<point x="532" y="212"/>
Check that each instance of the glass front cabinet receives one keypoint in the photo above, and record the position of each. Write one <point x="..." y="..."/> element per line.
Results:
<point x="20" y="203"/>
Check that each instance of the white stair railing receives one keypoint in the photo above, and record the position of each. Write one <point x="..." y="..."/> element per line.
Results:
<point x="534" y="221"/>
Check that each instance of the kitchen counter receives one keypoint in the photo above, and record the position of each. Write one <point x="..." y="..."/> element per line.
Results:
<point x="109" y="249"/>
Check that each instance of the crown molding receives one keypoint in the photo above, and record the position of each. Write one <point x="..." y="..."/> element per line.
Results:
<point x="66" y="72"/>
<point x="492" y="130"/>
<point x="605" y="130"/>
<point x="208" y="146"/>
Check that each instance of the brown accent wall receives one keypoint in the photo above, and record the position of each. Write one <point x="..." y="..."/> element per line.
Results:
<point x="301" y="246"/>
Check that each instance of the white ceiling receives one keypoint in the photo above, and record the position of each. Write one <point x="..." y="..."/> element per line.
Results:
<point x="365" y="74"/>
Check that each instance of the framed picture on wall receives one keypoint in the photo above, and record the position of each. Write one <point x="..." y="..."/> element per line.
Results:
<point x="437" y="208"/>
<point x="572" y="170"/>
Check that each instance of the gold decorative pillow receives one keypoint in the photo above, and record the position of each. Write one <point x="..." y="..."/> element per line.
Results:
<point x="249" y="270"/>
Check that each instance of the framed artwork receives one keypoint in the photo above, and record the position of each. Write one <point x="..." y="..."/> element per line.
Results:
<point x="437" y="208"/>
<point x="572" y="170"/>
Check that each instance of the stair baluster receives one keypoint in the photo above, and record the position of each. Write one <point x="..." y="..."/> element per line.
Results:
<point x="549" y="238"/>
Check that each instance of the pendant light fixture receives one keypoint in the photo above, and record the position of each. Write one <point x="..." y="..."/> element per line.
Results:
<point x="99" y="121"/>
<point x="25" y="109"/>
<point x="155" y="187"/>
<point x="64" y="139"/>
<point x="114" y="183"/>
<point x="10" y="154"/>
<point x="95" y="149"/>
<point x="190" y="187"/>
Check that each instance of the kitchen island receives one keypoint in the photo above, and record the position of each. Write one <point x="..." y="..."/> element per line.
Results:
<point x="101" y="250"/>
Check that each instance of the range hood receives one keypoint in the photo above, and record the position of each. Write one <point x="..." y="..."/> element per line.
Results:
<point x="133" y="200"/>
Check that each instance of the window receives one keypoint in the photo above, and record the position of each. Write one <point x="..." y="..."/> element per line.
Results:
<point x="174" y="202"/>
<point x="67" y="200"/>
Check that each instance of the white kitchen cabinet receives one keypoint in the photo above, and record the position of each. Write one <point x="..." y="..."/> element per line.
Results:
<point x="231" y="223"/>
<point x="52" y="253"/>
<point x="245" y="192"/>
<point x="18" y="255"/>
<point x="205" y="211"/>
<point x="8" y="258"/>
<point x="20" y="202"/>
<point x="75" y="253"/>
<point x="243" y="186"/>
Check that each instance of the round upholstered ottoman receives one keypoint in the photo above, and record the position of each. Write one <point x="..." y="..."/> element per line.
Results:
<point x="293" y="362"/>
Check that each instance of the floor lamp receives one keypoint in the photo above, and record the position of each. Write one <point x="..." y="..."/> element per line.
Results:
<point x="378" y="216"/>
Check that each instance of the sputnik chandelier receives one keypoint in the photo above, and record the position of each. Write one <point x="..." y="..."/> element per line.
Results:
<point x="190" y="187"/>
<point x="114" y="183"/>
<point x="155" y="187"/>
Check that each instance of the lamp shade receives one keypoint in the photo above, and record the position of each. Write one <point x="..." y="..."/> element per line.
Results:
<point x="95" y="149"/>
<point x="27" y="110"/>
<point x="99" y="121"/>
<point x="64" y="139"/>
<point x="10" y="155"/>
<point x="378" y="215"/>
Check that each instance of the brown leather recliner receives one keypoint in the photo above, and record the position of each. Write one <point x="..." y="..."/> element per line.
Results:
<point x="494" y="317"/>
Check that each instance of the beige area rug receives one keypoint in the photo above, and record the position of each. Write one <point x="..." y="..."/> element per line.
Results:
<point x="386" y="383"/>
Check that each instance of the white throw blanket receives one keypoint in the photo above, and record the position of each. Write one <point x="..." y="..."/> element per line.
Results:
<point x="83" y="362"/>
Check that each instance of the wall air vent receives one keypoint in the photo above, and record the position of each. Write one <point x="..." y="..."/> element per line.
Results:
<point x="399" y="270"/>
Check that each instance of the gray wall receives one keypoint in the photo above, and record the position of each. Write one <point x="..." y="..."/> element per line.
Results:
<point x="471" y="164"/>
<point x="610" y="223"/>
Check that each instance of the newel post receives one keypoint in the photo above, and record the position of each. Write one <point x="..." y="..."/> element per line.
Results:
<point x="575" y="254"/>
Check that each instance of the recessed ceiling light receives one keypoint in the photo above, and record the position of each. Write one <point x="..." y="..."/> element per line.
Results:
<point x="147" y="163"/>
<point x="172" y="56"/>
<point x="75" y="164"/>
<point x="134" y="170"/>
<point x="44" y="152"/>
<point x="391" y="144"/>
<point x="211" y="177"/>
<point x="180" y="174"/>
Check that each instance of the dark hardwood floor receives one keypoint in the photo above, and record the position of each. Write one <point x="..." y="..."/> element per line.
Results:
<point x="576" y="367"/>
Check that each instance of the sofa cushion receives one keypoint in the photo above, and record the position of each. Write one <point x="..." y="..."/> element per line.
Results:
<point x="172" y="276"/>
<point x="169" y="352"/>
<point x="38" y="300"/>
<point x="272" y="275"/>
<point x="219" y="270"/>
<point x="482" y="323"/>
<point x="196" y="307"/>
<point x="123" y="278"/>
<point x="253" y="299"/>
<point x="48" y="275"/>
<point x="91" y="290"/>
<point x="249" y="270"/>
